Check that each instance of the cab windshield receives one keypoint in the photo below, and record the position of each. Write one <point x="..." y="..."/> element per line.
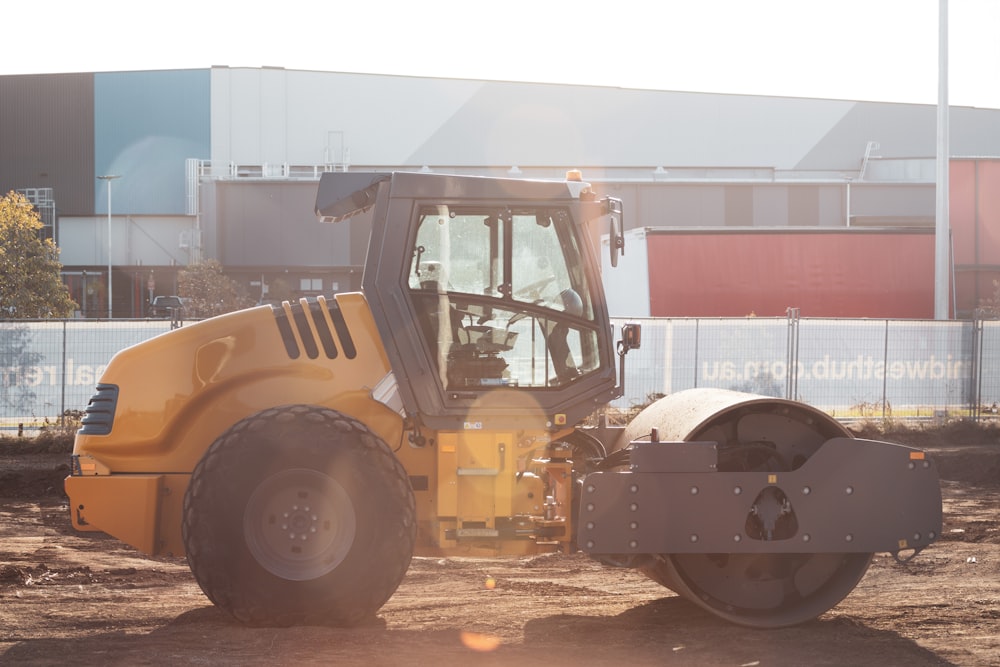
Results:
<point x="502" y="296"/>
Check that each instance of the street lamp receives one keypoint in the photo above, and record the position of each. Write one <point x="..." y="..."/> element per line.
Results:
<point x="108" y="178"/>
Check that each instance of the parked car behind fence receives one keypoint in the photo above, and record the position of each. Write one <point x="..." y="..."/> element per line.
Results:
<point x="166" y="306"/>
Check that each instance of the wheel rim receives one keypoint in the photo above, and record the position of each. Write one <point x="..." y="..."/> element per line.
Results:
<point x="299" y="524"/>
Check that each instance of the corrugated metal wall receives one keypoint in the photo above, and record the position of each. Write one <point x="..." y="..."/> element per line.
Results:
<point x="784" y="204"/>
<point x="272" y="224"/>
<point x="47" y="138"/>
<point x="61" y="131"/>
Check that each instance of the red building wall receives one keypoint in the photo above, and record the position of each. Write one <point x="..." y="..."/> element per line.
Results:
<point x="974" y="213"/>
<point x="829" y="273"/>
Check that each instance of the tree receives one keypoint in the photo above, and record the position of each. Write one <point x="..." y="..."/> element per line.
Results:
<point x="31" y="286"/>
<point x="209" y="292"/>
<point x="990" y="307"/>
<point x="279" y="290"/>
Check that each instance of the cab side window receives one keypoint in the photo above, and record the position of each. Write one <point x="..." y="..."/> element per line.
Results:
<point x="501" y="297"/>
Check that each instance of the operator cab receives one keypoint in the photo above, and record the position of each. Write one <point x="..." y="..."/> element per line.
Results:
<point x="502" y="297"/>
<point x="482" y="284"/>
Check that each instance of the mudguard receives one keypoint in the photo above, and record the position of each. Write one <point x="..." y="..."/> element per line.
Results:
<point x="852" y="495"/>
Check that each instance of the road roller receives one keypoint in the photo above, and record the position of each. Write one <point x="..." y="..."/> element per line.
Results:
<point x="300" y="454"/>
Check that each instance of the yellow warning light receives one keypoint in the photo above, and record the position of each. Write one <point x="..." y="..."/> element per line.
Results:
<point x="903" y="544"/>
<point x="916" y="456"/>
<point x="574" y="175"/>
<point x="559" y="419"/>
<point x="772" y="479"/>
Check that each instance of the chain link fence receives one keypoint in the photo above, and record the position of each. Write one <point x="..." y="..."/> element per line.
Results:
<point x="51" y="368"/>
<point x="903" y="369"/>
<point x="899" y="369"/>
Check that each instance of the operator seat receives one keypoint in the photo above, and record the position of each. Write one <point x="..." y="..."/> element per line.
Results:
<point x="556" y="335"/>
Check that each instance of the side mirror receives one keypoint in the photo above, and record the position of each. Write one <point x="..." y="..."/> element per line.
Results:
<point x="616" y="240"/>
<point x="631" y="337"/>
<point x="631" y="340"/>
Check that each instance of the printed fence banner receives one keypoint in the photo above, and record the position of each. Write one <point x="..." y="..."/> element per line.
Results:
<point x="909" y="367"/>
<point x="836" y="365"/>
<point x="51" y="367"/>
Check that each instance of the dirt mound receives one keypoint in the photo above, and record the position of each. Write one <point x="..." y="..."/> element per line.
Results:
<point x="955" y="433"/>
<point x="965" y="451"/>
<point x="33" y="475"/>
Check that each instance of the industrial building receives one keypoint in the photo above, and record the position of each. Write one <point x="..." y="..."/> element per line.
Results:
<point x="735" y="204"/>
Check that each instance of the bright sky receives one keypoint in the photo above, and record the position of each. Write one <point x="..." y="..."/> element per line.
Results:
<point x="882" y="50"/>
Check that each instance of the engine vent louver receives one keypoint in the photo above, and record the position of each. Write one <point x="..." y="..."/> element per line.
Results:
<point x="99" y="416"/>
<point x="343" y="333"/>
<point x="305" y="333"/>
<point x="328" y="338"/>
<point x="323" y="330"/>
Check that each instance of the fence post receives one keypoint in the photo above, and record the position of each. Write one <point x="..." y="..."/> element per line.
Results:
<point x="697" y="336"/>
<point x="976" y="374"/>
<point x="62" y="397"/>
<point x="792" y="355"/>
<point x="885" y="366"/>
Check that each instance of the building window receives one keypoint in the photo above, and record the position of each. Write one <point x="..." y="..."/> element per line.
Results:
<point x="311" y="284"/>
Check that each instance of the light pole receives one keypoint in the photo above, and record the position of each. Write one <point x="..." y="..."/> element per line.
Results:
<point x="942" y="226"/>
<point x="108" y="178"/>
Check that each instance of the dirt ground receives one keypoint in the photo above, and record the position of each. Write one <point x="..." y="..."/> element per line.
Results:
<point x="70" y="598"/>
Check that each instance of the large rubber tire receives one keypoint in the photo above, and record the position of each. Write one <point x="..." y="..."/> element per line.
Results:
<point x="299" y="515"/>
<point x="754" y="590"/>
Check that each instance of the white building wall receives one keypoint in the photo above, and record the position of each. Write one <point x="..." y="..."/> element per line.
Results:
<point x="297" y="117"/>
<point x="770" y="206"/>
<point x="151" y="240"/>
<point x="627" y="285"/>
<point x="276" y="116"/>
